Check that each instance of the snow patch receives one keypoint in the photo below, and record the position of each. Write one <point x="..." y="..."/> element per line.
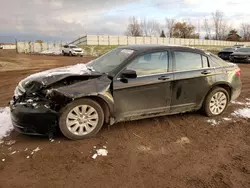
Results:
<point x="10" y="142"/>
<point x="102" y="152"/>
<point x="244" y="112"/>
<point x="236" y="102"/>
<point x="78" y="69"/>
<point x="55" y="51"/>
<point x="5" y="122"/>
<point x="183" y="140"/>
<point x="143" y="148"/>
<point x="212" y="121"/>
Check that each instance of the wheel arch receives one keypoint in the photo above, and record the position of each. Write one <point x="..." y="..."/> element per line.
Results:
<point x="104" y="103"/>
<point x="223" y="85"/>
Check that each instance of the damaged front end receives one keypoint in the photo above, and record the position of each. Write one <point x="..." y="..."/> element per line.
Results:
<point x="32" y="112"/>
<point x="36" y="105"/>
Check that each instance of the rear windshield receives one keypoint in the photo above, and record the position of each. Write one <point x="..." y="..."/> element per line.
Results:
<point x="243" y="50"/>
<point x="216" y="61"/>
<point x="228" y="49"/>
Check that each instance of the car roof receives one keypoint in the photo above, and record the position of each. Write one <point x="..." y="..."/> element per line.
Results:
<point x="148" y="47"/>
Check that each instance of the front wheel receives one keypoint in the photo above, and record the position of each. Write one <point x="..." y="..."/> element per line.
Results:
<point x="81" y="119"/>
<point x="216" y="102"/>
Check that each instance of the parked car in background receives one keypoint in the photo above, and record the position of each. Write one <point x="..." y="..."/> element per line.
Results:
<point x="72" y="50"/>
<point x="241" y="55"/>
<point x="127" y="83"/>
<point x="237" y="46"/>
<point x="1" y="46"/>
<point x="225" y="53"/>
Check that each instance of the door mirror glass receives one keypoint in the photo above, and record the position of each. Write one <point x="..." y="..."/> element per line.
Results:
<point x="129" y="73"/>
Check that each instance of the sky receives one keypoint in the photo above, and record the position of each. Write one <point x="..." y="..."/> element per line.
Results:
<point x="67" y="20"/>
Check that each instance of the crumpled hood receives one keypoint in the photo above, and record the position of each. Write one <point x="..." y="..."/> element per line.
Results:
<point x="51" y="76"/>
<point x="241" y="53"/>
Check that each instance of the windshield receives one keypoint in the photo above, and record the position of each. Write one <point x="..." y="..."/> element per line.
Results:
<point x="243" y="50"/>
<point x="73" y="46"/>
<point x="228" y="49"/>
<point x="109" y="61"/>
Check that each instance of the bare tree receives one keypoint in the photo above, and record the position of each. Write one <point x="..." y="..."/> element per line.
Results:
<point x="150" y="28"/>
<point x="184" y="30"/>
<point x="245" y="31"/>
<point x="207" y="27"/>
<point x="218" y="23"/>
<point x="134" y="28"/>
<point x="170" y="22"/>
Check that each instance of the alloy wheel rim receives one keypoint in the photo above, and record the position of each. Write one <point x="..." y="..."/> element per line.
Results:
<point x="218" y="103"/>
<point x="82" y="120"/>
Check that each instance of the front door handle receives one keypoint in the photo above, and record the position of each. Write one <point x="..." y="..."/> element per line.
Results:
<point x="206" y="72"/>
<point x="163" y="78"/>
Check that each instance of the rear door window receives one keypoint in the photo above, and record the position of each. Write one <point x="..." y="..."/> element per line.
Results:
<point x="185" y="61"/>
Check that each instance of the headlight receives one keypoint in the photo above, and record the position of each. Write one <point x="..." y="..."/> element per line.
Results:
<point x="19" y="90"/>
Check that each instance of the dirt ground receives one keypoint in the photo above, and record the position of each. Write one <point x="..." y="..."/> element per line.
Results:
<point x="179" y="151"/>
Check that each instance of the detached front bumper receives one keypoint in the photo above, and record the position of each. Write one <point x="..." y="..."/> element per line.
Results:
<point x="33" y="120"/>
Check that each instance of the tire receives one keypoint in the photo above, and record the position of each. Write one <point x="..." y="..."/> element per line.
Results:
<point x="70" y="54"/>
<point x="84" y="130"/>
<point x="211" y="99"/>
<point x="63" y="53"/>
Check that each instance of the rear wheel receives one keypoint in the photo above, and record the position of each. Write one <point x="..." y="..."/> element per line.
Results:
<point x="70" y="53"/>
<point x="63" y="53"/>
<point x="216" y="102"/>
<point x="81" y="119"/>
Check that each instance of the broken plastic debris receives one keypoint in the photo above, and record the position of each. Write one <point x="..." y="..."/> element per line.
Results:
<point x="94" y="147"/>
<point x="26" y="149"/>
<point x="51" y="140"/>
<point x="13" y="153"/>
<point x="94" y="156"/>
<point x="32" y="152"/>
<point x="3" y="160"/>
<point x="104" y="146"/>
<point x="28" y="157"/>
<point x="227" y="119"/>
<point x="37" y="149"/>
<point x="10" y="143"/>
<point x="30" y="101"/>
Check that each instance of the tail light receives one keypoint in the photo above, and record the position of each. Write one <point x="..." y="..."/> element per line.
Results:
<point x="238" y="72"/>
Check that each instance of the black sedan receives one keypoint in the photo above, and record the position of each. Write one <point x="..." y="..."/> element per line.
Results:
<point x="127" y="83"/>
<point x="226" y="52"/>
<point x="242" y="55"/>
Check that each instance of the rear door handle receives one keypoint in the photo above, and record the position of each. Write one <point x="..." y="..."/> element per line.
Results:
<point x="163" y="78"/>
<point x="206" y="72"/>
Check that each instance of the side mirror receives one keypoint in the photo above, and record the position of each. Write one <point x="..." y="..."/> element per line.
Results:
<point x="128" y="73"/>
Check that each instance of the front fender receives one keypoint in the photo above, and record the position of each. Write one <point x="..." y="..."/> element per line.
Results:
<point x="99" y="87"/>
